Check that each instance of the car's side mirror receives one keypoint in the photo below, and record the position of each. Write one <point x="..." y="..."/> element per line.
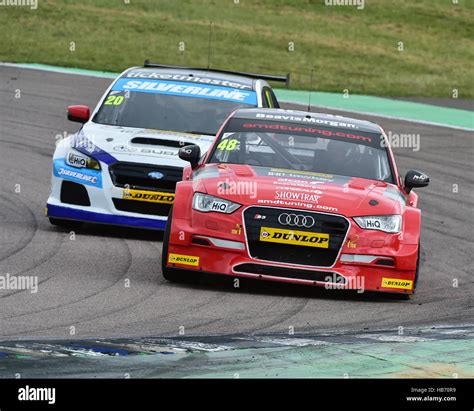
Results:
<point x="79" y="114"/>
<point x="190" y="153"/>
<point x="415" y="179"/>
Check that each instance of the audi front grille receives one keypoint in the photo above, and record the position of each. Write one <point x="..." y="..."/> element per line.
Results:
<point x="334" y="229"/>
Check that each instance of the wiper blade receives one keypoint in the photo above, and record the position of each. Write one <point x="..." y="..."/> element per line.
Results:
<point x="199" y="132"/>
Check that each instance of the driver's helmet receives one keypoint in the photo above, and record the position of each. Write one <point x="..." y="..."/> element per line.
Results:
<point x="337" y="149"/>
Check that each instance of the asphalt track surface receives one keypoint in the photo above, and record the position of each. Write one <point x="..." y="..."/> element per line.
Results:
<point x="82" y="280"/>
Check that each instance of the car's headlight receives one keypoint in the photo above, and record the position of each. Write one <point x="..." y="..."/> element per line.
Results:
<point x="81" y="161"/>
<point x="207" y="203"/>
<point x="386" y="223"/>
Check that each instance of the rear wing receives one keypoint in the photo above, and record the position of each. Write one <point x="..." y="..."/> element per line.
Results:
<point x="268" y="77"/>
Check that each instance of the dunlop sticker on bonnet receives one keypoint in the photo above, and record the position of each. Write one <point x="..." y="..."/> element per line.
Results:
<point x="149" y="196"/>
<point x="397" y="283"/>
<point x="183" y="259"/>
<point x="304" y="238"/>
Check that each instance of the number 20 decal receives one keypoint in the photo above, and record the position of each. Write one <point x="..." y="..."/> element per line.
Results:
<point x="228" y="145"/>
<point x="114" y="100"/>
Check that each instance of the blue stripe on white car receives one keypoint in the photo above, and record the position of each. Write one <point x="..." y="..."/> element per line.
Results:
<point x="82" y="144"/>
<point x="180" y="88"/>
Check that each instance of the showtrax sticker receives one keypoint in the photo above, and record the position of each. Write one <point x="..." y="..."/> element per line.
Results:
<point x="304" y="238"/>
<point x="285" y="195"/>
<point x="301" y="189"/>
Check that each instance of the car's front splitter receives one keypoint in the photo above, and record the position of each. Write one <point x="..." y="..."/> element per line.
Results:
<point x="68" y="213"/>
<point x="237" y="263"/>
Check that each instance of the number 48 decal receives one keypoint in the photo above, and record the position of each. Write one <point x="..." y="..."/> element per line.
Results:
<point x="228" y="145"/>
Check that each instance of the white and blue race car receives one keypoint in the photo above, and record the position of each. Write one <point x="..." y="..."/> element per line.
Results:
<point x="122" y="166"/>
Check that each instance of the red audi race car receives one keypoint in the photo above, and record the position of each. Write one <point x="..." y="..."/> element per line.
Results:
<point x="296" y="197"/>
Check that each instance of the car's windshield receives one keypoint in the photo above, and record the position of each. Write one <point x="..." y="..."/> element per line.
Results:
<point x="304" y="148"/>
<point x="171" y="105"/>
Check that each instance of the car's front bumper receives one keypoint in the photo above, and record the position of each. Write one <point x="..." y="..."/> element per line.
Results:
<point x="362" y="265"/>
<point x="98" y="199"/>
<point x="77" y="214"/>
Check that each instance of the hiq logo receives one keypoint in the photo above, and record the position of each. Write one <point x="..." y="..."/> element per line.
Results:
<point x="373" y="224"/>
<point x="219" y="206"/>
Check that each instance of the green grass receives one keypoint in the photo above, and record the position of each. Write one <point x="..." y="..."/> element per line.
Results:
<point x="348" y="48"/>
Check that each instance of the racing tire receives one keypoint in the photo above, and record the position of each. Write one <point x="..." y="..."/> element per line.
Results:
<point x="67" y="224"/>
<point x="415" y="281"/>
<point x="417" y="272"/>
<point x="172" y="274"/>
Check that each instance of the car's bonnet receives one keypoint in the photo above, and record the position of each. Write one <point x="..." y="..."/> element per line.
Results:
<point x="147" y="146"/>
<point x="253" y="185"/>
